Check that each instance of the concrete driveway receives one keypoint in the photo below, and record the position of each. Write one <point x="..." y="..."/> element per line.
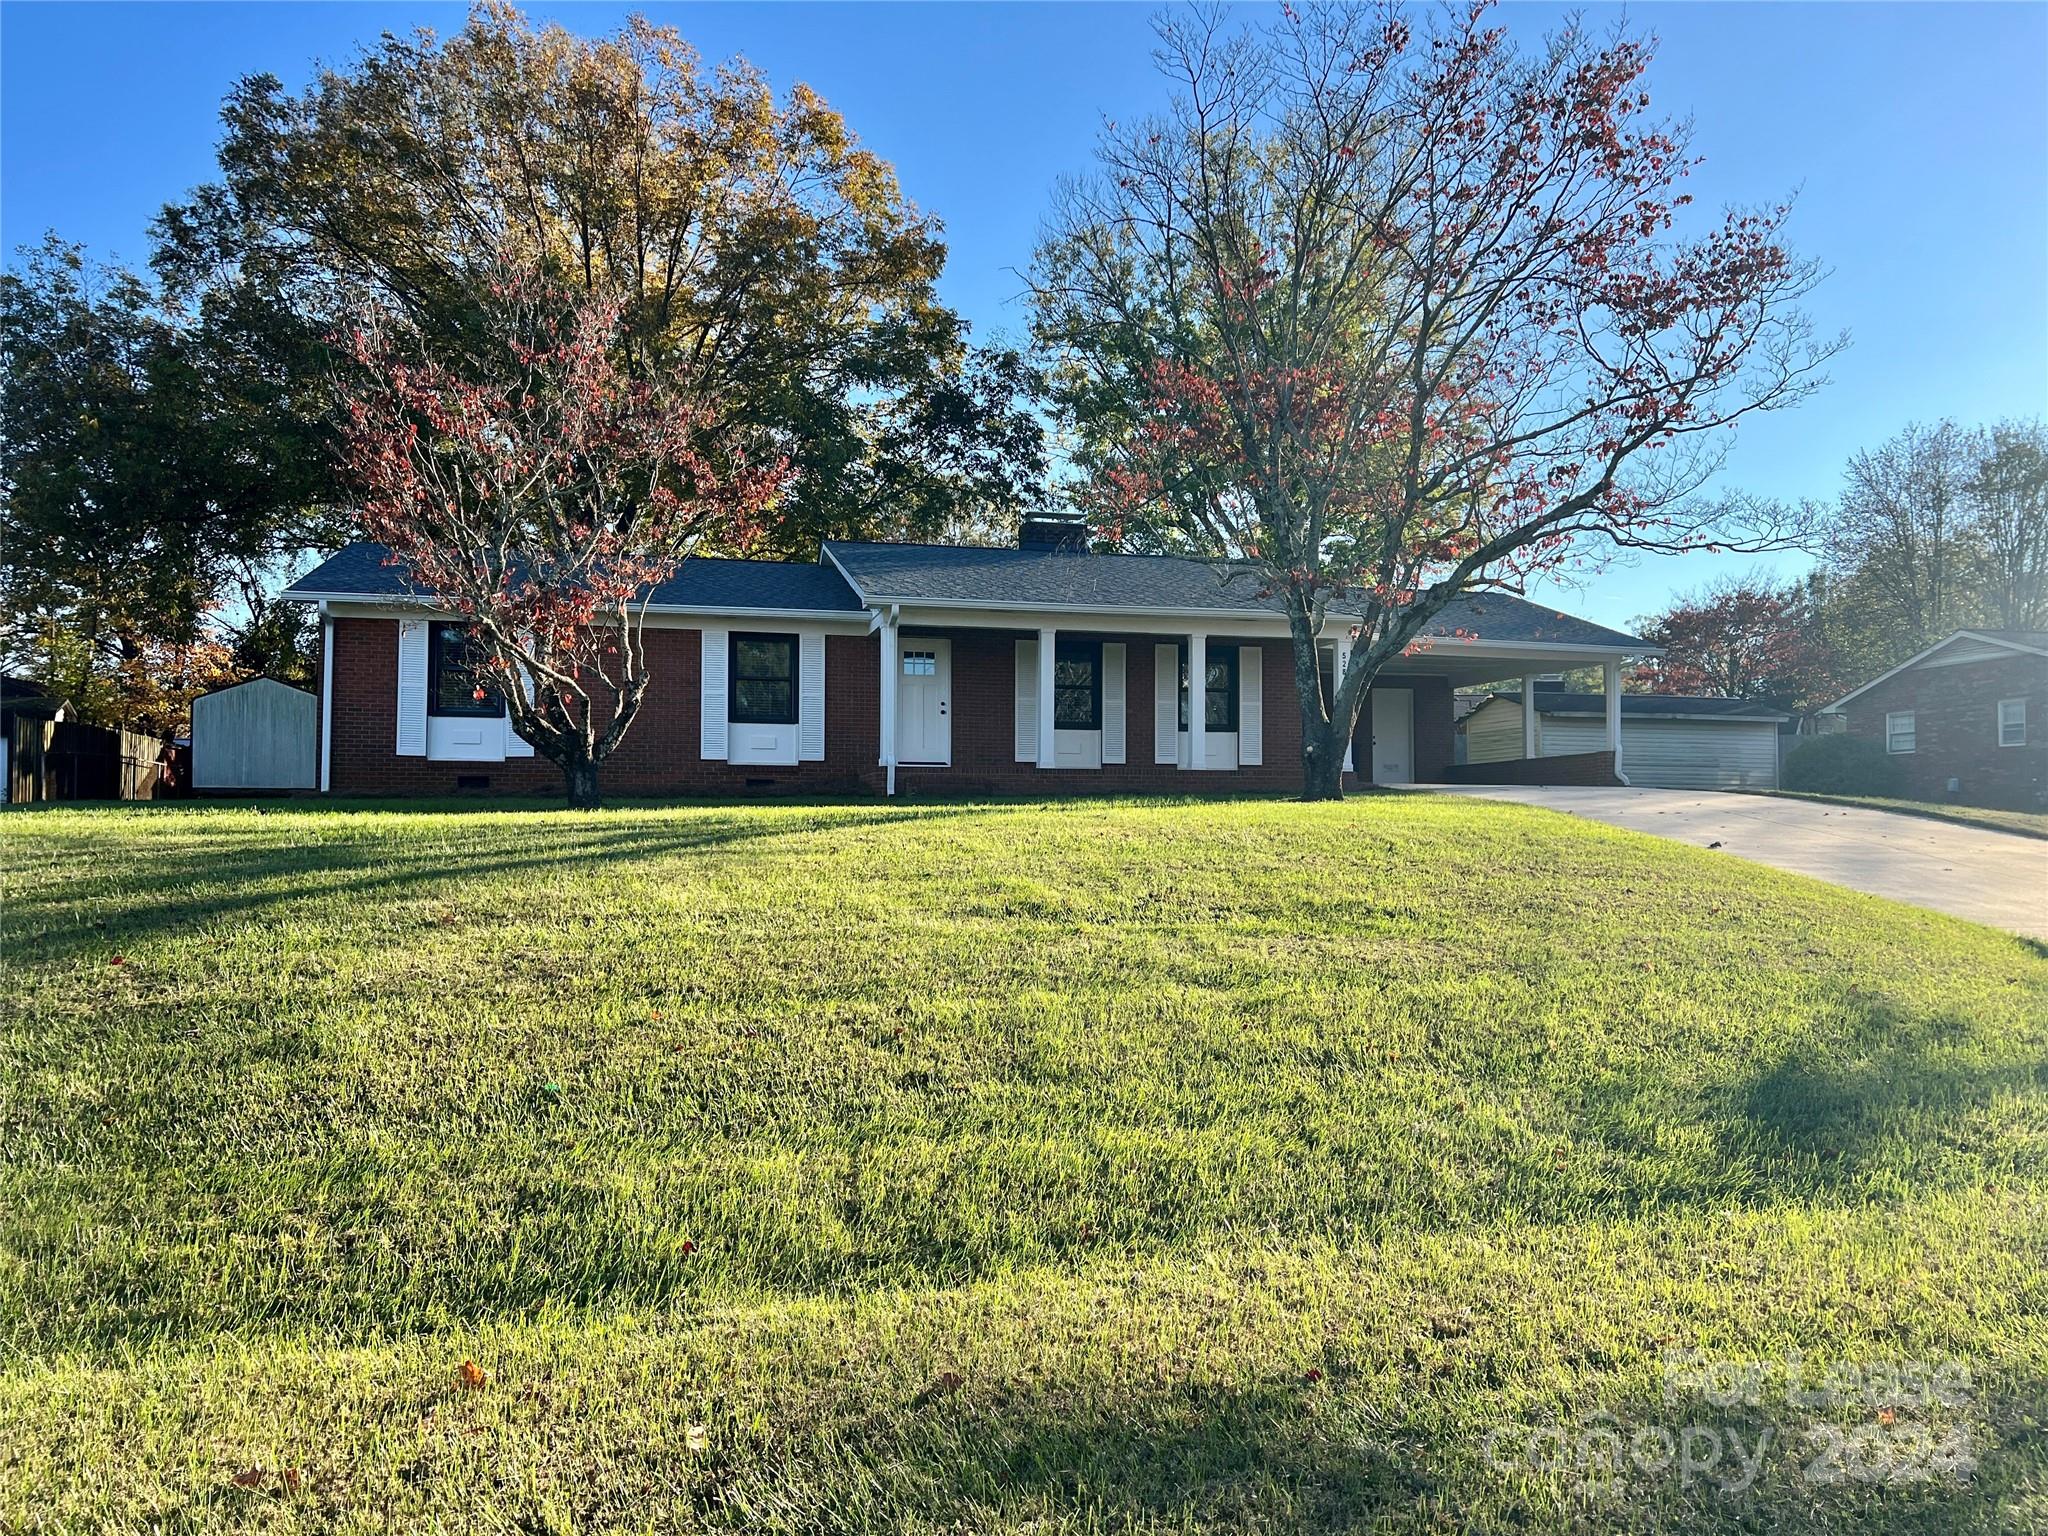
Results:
<point x="1998" y="878"/>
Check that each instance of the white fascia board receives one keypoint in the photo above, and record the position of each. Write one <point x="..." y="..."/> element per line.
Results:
<point x="1508" y="650"/>
<point x="1941" y="644"/>
<point x="825" y="550"/>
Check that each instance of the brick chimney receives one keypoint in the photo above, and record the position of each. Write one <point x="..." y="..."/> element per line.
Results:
<point x="1049" y="532"/>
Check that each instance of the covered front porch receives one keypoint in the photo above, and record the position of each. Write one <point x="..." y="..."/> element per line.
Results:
<point x="1092" y="704"/>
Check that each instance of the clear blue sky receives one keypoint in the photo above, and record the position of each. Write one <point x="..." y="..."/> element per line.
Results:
<point x="1916" y="136"/>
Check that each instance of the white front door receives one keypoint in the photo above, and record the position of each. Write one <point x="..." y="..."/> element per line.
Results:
<point x="1393" y="736"/>
<point x="924" y="701"/>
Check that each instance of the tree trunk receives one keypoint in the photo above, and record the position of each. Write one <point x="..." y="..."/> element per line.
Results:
<point x="582" y="777"/>
<point x="1322" y="760"/>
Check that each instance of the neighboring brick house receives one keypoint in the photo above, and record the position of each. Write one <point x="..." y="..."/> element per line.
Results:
<point x="1038" y="669"/>
<point x="1966" y="719"/>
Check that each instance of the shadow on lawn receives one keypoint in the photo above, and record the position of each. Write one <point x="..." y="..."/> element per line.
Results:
<point x="1834" y="1103"/>
<point x="1326" y="1457"/>
<point x="253" y="878"/>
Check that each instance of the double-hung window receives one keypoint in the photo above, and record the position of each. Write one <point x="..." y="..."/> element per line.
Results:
<point x="456" y="675"/>
<point x="1219" y="690"/>
<point x="1077" y="685"/>
<point x="2012" y="722"/>
<point x="1899" y="735"/>
<point x="763" y="680"/>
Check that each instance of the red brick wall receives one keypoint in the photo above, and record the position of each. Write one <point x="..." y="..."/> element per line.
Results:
<point x="1955" y="725"/>
<point x="1434" y="738"/>
<point x="658" y="757"/>
<point x="660" y="753"/>
<point x="1570" y="768"/>
<point x="985" y="729"/>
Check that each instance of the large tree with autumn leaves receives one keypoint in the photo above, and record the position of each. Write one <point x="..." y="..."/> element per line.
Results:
<point x="1389" y="313"/>
<point x="748" y="236"/>
<point x="542" y="491"/>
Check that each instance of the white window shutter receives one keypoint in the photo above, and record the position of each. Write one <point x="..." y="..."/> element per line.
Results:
<point x="711" y="734"/>
<point x="1113" y="710"/>
<point x="810" y="709"/>
<point x="1251" y="705"/>
<point x="1027" y="701"/>
<point x="412" y="687"/>
<point x="1165" y="703"/>
<point x="517" y="745"/>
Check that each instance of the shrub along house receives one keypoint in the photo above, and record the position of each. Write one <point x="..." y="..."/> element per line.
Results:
<point x="885" y="667"/>
<point x="1966" y="719"/>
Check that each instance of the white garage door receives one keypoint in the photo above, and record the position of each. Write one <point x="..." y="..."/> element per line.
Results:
<point x="1678" y="754"/>
<point x="1686" y="754"/>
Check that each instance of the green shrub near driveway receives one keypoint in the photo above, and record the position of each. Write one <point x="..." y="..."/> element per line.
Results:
<point x="1841" y="764"/>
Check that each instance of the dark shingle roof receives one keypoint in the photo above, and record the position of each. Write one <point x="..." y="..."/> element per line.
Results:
<point x="1497" y="616"/>
<point x="1650" y="706"/>
<point x="2034" y="637"/>
<point x="1044" y="578"/>
<point x="360" y="570"/>
<point x="1039" y="578"/>
<point x="978" y="577"/>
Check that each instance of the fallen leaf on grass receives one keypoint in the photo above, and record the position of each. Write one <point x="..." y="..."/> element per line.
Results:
<point x="696" y="1437"/>
<point x="470" y="1376"/>
<point x="250" y="1477"/>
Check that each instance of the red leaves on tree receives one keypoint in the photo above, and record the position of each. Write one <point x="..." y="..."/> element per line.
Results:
<point x="540" y="488"/>
<point x="1416" y="315"/>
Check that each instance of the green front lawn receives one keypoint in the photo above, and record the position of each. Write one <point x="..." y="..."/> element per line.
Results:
<point x="995" y="1168"/>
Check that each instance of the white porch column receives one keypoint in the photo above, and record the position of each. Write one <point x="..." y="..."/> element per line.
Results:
<point x="1610" y="680"/>
<point x="326" y="701"/>
<point x="1532" y="736"/>
<point x="1046" y="640"/>
<point x="1198" y="701"/>
<point x="890" y="644"/>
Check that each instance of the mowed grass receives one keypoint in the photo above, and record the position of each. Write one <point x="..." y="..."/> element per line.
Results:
<point x="995" y="1168"/>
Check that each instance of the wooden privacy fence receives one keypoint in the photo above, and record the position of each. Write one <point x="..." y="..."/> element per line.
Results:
<point x="64" y="760"/>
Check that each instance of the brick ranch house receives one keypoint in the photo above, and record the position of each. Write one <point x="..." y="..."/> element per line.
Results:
<point x="1035" y="669"/>
<point x="1966" y="719"/>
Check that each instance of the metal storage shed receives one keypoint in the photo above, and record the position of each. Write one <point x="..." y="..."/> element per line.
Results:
<point x="261" y="734"/>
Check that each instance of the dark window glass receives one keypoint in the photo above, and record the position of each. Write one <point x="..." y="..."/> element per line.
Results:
<point x="763" y="680"/>
<point x="456" y="674"/>
<point x="1077" y="685"/>
<point x="1219" y="696"/>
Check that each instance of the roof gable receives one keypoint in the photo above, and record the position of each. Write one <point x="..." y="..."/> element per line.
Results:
<point x="2017" y="642"/>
